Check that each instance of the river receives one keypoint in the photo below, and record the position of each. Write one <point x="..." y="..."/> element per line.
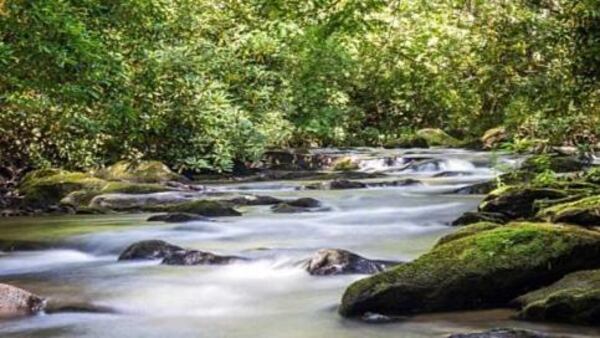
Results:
<point x="271" y="296"/>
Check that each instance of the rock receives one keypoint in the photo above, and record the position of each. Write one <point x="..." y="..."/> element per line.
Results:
<point x="468" y="230"/>
<point x="54" y="307"/>
<point x="344" y="164"/>
<point x="518" y="201"/>
<point x="284" y="208"/>
<point x="504" y="333"/>
<point x="180" y="217"/>
<point x="494" y="138"/>
<point x="346" y="184"/>
<point x="18" y="302"/>
<point x="255" y="200"/>
<point x="476" y="217"/>
<point x="158" y="202"/>
<point x="482" y="188"/>
<point x="558" y="164"/>
<point x="584" y="212"/>
<point x="148" y="250"/>
<point x="194" y="257"/>
<point x="407" y="141"/>
<point x="208" y="208"/>
<point x="143" y="172"/>
<point x="47" y="187"/>
<point x="329" y="262"/>
<point x="305" y="202"/>
<point x="574" y="299"/>
<point x="485" y="269"/>
<point x="437" y="137"/>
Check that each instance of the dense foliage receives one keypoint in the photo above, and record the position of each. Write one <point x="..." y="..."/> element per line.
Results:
<point x="204" y="84"/>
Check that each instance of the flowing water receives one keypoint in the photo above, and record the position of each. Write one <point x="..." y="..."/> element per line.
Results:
<point x="271" y="296"/>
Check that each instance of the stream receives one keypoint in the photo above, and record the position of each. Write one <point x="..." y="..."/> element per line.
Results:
<point x="270" y="296"/>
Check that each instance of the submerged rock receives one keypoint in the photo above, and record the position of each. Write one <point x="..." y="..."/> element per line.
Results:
<point x="255" y="200"/>
<point x="18" y="302"/>
<point x="179" y="217"/>
<point x="518" y="201"/>
<point x="284" y="208"/>
<point x="55" y="306"/>
<point x="346" y="184"/>
<point x="195" y="257"/>
<point x="150" y="249"/>
<point x="485" y="269"/>
<point x="329" y="262"/>
<point x="471" y="217"/>
<point x="208" y="208"/>
<point x="305" y="202"/>
<point x="503" y="333"/>
<point x="574" y="299"/>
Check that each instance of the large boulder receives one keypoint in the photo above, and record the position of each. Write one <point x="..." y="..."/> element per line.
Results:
<point x="195" y="257"/>
<point x="468" y="230"/>
<point x="574" y="299"/>
<point x="472" y="217"/>
<point x="437" y="137"/>
<point x="255" y="200"/>
<point x="143" y="172"/>
<point x="485" y="269"/>
<point x="328" y="262"/>
<point x="18" y="302"/>
<point x="584" y="212"/>
<point x="518" y="202"/>
<point x="148" y="250"/>
<point x="493" y="138"/>
<point x="503" y="333"/>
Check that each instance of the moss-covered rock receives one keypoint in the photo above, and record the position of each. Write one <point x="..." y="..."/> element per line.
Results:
<point x="485" y="269"/>
<point x="558" y="164"/>
<point x="493" y="138"/>
<point x="518" y="202"/>
<point x="437" y="137"/>
<point x="469" y="230"/>
<point x="573" y="299"/>
<point x="585" y="212"/>
<point x="206" y="208"/>
<point x="407" y="141"/>
<point x="477" y="216"/>
<point x="143" y="172"/>
<point x="47" y="187"/>
<point x="344" y="164"/>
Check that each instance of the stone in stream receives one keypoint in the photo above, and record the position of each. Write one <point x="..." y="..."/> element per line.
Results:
<point x="346" y="184"/>
<point x="284" y="208"/>
<point x="584" y="212"/>
<point x="148" y="250"/>
<point x="327" y="262"/>
<point x="575" y="299"/>
<point x="487" y="268"/>
<point x="478" y="188"/>
<point x="518" y="201"/>
<point x="57" y="306"/>
<point x="504" y="333"/>
<point x="18" y="302"/>
<point x="305" y="202"/>
<point x="255" y="200"/>
<point x="178" y="217"/>
<point x="195" y="257"/>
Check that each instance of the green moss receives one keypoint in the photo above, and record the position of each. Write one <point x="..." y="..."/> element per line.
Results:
<point x="519" y="202"/>
<point x="207" y="208"/>
<point x="345" y="164"/>
<point x="47" y="188"/>
<point x="588" y="203"/>
<point x="437" y="137"/>
<point x="407" y="141"/>
<point x="144" y="172"/>
<point x="133" y="188"/>
<point x="467" y="231"/>
<point x="574" y="299"/>
<point x="487" y="268"/>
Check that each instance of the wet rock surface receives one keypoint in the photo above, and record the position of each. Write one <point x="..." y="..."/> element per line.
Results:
<point x="195" y="257"/>
<point x="328" y="262"/>
<point x="18" y="302"/>
<point x="149" y="250"/>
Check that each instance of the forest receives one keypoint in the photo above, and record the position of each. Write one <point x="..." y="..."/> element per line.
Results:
<point x="201" y="85"/>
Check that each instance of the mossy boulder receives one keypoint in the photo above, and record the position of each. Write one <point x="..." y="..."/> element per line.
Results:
<point x="477" y="216"/>
<point x="584" y="212"/>
<point x="437" y="137"/>
<point x="558" y="164"/>
<point x="482" y="270"/>
<point x="518" y="202"/>
<point x="407" y="141"/>
<point x="143" y="172"/>
<point x="468" y="230"/>
<point x="82" y="198"/>
<point x="574" y="299"/>
<point x="493" y="138"/>
<point x="206" y="208"/>
<point x="344" y="164"/>
<point x="47" y="187"/>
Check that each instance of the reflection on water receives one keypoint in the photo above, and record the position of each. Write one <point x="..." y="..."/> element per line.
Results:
<point x="268" y="297"/>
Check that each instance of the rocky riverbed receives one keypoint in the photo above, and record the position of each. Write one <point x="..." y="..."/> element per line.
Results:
<point x="150" y="253"/>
